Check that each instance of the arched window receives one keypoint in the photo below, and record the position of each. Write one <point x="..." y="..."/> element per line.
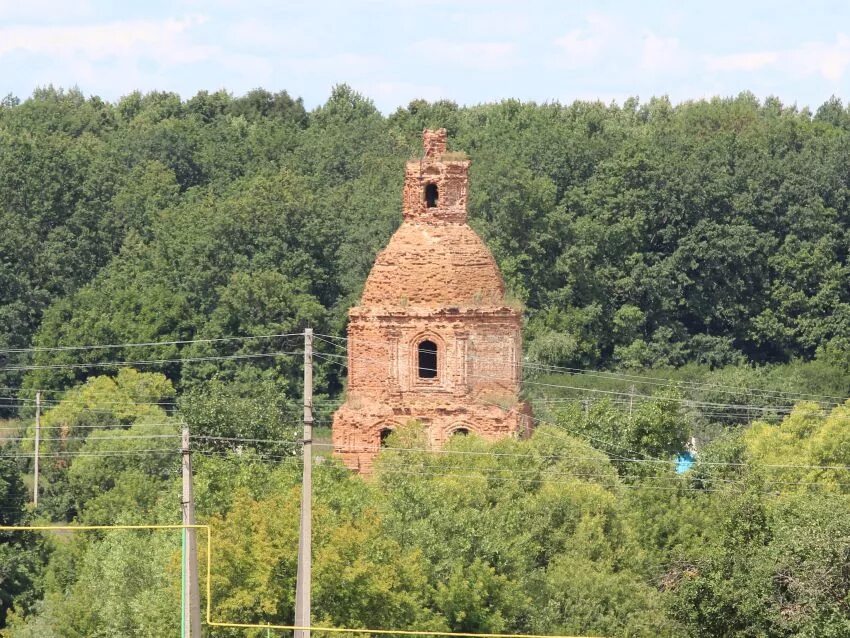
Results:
<point x="385" y="433"/>
<point x="431" y="196"/>
<point x="460" y="432"/>
<point x="427" y="360"/>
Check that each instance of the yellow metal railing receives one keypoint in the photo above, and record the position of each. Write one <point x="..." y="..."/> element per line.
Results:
<point x="234" y="625"/>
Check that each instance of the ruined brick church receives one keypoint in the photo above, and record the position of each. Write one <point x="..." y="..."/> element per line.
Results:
<point x="432" y="339"/>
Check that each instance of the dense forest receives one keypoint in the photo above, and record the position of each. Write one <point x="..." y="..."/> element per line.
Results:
<point x="685" y="275"/>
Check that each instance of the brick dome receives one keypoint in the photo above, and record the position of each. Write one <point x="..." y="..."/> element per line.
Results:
<point x="434" y="265"/>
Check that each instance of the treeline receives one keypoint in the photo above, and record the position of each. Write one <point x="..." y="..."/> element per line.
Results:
<point x="697" y="240"/>
<point x="713" y="232"/>
<point x="583" y="529"/>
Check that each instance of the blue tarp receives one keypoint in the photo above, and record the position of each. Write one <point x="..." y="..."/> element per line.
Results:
<point x="684" y="462"/>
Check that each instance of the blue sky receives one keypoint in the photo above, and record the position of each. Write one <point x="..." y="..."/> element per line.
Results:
<point x="469" y="51"/>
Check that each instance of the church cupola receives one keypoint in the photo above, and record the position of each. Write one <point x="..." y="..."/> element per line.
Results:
<point x="435" y="186"/>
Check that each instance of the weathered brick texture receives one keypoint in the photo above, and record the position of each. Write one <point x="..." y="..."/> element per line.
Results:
<point x="436" y="282"/>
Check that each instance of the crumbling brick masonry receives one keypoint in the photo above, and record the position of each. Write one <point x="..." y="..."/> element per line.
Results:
<point x="432" y="339"/>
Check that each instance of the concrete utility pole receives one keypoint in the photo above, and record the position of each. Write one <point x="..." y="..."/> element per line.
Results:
<point x="191" y="592"/>
<point x="302" y="583"/>
<point x="37" y="442"/>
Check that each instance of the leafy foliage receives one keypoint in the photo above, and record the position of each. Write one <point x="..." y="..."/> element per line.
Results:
<point x="638" y="235"/>
<point x="707" y="241"/>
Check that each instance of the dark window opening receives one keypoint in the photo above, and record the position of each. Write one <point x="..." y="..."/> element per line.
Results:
<point x="460" y="432"/>
<point x="385" y="434"/>
<point x="427" y="360"/>
<point x="431" y="196"/>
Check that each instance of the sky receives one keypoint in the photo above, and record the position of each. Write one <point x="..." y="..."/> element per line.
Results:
<point x="468" y="51"/>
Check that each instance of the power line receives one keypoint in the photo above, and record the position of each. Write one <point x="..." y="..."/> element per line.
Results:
<point x="685" y="402"/>
<point x="533" y="418"/>
<point x="331" y="357"/>
<point x="497" y="405"/>
<point x="89" y="391"/>
<point x="120" y="437"/>
<point x="622" y="402"/>
<point x="65" y="454"/>
<point x="643" y="378"/>
<point x="101" y="426"/>
<point x="558" y="457"/>
<point x="64" y="366"/>
<point x="669" y="462"/>
<point x="689" y="402"/>
<point x="245" y="440"/>
<point x="662" y="381"/>
<point x="70" y="399"/>
<point x="633" y="377"/>
<point x="445" y="451"/>
<point x="580" y="434"/>
<point x="250" y="456"/>
<point x="146" y="344"/>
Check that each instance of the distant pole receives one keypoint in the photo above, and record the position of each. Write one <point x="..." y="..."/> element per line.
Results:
<point x="191" y="592"/>
<point x="37" y="443"/>
<point x="631" y="400"/>
<point x="302" y="583"/>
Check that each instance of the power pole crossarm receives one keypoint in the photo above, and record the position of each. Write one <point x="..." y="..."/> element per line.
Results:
<point x="191" y="593"/>
<point x="302" y="585"/>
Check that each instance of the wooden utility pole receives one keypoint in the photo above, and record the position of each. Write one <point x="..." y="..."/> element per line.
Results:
<point x="302" y="583"/>
<point x="37" y="443"/>
<point x="191" y="592"/>
<point x="631" y="400"/>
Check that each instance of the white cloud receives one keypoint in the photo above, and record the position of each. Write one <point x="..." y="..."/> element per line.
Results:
<point x="256" y="33"/>
<point x="42" y="10"/>
<point x="660" y="54"/>
<point x="752" y="61"/>
<point x="584" y="47"/>
<point x="341" y="65"/>
<point x="829" y="60"/>
<point x="165" y="41"/>
<point x="492" y="24"/>
<point x="474" y="55"/>
<point x="606" y="41"/>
